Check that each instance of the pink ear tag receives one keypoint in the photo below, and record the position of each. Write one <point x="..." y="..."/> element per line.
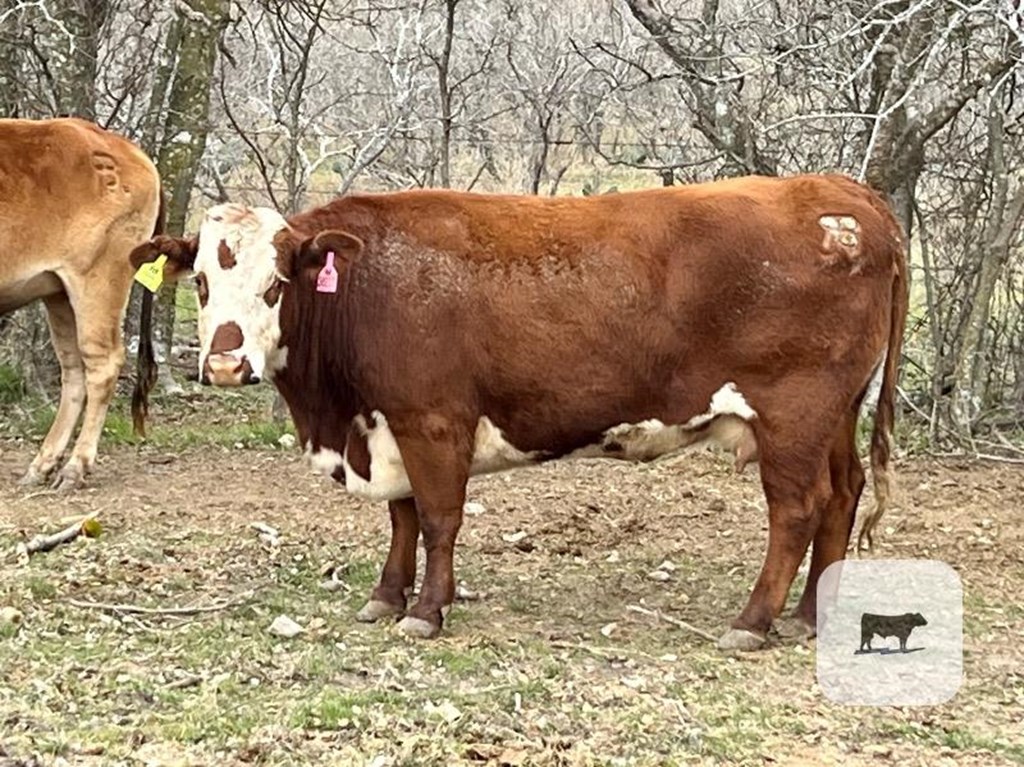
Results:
<point x="327" y="280"/>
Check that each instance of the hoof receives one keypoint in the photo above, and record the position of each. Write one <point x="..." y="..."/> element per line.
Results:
<point x="418" y="628"/>
<point x="71" y="476"/>
<point x="794" y="628"/>
<point x="740" y="639"/>
<point x="375" y="609"/>
<point x="33" y="478"/>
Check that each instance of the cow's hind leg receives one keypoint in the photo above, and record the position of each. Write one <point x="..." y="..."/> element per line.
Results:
<point x="99" y="304"/>
<point x="834" y="526"/>
<point x="796" y="484"/>
<point x="64" y="337"/>
<point x="399" y="573"/>
<point x="437" y="454"/>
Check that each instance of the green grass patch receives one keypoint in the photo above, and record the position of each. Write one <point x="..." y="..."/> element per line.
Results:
<point x="462" y="662"/>
<point x="12" y="385"/>
<point x="955" y="738"/>
<point x="337" y="710"/>
<point x="249" y="435"/>
<point x="40" y="587"/>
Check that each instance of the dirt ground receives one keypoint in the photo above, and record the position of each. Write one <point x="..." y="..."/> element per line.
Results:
<point x="546" y="666"/>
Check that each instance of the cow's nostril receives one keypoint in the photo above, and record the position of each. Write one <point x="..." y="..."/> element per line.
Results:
<point x="205" y="379"/>
<point x="254" y="379"/>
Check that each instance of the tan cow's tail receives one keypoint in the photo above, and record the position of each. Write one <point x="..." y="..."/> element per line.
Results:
<point x="881" y="435"/>
<point x="145" y="377"/>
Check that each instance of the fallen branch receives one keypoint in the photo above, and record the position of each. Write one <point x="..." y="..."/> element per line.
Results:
<point x="140" y="610"/>
<point x="265" y="529"/>
<point x="606" y="653"/>
<point x="674" y="621"/>
<point x="39" y="494"/>
<point x="184" y="682"/>
<point x="88" y="526"/>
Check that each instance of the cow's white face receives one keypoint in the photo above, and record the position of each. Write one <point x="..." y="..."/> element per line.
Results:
<point x="239" y="291"/>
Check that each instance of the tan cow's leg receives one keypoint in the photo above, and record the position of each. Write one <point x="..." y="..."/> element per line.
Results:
<point x="437" y="455"/>
<point x="399" y="574"/>
<point x="834" y="528"/>
<point x="64" y="336"/>
<point x="794" y="503"/>
<point x="99" y="305"/>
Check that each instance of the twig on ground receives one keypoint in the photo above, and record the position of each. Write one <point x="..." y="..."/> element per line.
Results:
<point x="140" y="610"/>
<point x="999" y="458"/>
<point x="88" y="526"/>
<point x="674" y="621"/>
<point x="181" y="684"/>
<point x="606" y="653"/>
<point x="39" y="494"/>
<point x="266" y="529"/>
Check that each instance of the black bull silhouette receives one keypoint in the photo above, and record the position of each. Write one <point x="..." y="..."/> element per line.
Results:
<point x="884" y="626"/>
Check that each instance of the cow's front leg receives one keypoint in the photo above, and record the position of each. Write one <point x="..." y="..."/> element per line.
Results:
<point x="436" y="454"/>
<point x="399" y="573"/>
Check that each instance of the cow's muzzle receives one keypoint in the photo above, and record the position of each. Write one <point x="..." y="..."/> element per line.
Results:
<point x="227" y="370"/>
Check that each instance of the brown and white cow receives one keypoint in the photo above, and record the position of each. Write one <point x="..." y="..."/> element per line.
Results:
<point x="74" y="200"/>
<point x="472" y="333"/>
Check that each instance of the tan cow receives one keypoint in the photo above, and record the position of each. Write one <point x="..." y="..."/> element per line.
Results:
<point x="74" y="200"/>
<point x="423" y="337"/>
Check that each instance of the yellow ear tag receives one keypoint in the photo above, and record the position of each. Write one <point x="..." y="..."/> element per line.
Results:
<point x="151" y="275"/>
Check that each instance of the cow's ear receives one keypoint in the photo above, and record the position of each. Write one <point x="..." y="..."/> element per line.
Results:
<point x="180" y="252"/>
<point x="296" y="257"/>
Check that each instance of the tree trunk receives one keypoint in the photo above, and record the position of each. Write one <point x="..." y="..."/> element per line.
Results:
<point x="971" y="369"/>
<point x="10" y="74"/>
<point x="84" y="20"/>
<point x="184" y="138"/>
<point x="150" y="142"/>
<point x="445" y="93"/>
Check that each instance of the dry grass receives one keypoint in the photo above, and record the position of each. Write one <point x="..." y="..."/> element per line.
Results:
<point x="523" y="676"/>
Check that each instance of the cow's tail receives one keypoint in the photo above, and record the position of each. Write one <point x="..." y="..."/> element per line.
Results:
<point x="145" y="376"/>
<point x="881" y="435"/>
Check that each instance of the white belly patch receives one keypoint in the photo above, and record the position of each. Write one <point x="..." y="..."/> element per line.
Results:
<point x="388" y="479"/>
<point x="726" y="424"/>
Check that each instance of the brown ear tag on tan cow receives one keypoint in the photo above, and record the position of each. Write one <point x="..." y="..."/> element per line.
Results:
<point x="327" y="280"/>
<point x="151" y="275"/>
